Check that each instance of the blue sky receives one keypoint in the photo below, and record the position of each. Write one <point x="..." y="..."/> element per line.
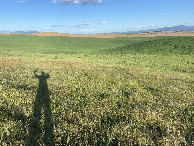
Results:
<point x="93" y="16"/>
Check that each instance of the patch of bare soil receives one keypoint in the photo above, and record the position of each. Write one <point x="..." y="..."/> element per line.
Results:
<point x="8" y="33"/>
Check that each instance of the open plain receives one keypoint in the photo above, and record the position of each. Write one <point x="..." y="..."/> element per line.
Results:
<point x="113" y="35"/>
<point x="62" y="89"/>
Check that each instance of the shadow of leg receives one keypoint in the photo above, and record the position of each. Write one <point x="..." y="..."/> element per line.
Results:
<point x="35" y="128"/>
<point x="48" y="126"/>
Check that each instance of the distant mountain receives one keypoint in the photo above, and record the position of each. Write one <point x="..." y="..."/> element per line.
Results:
<point x="173" y="28"/>
<point x="131" y="32"/>
<point x="25" y="32"/>
<point x="126" y="32"/>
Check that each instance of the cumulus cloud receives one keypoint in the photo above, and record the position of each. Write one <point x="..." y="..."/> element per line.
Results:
<point x="142" y="26"/>
<point x="86" y="24"/>
<point x="47" y="28"/>
<point x="84" y="2"/>
<point x="79" y="25"/>
<point x="57" y="25"/>
<point x="21" y="1"/>
<point x="92" y="2"/>
<point x="88" y="31"/>
<point x="2" y="30"/>
<point x="104" y="22"/>
<point x="76" y="2"/>
<point x="54" y="1"/>
<point x="149" y="26"/>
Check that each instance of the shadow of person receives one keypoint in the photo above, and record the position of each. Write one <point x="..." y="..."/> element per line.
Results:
<point x="42" y="101"/>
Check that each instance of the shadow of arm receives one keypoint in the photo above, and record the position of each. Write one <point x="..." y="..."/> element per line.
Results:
<point x="35" y="74"/>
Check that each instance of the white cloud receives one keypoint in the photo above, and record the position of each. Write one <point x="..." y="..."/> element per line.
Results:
<point x="47" y="28"/>
<point x="85" y="30"/>
<point x="86" y="24"/>
<point x="79" y="25"/>
<point x="142" y="27"/>
<point x="57" y="25"/>
<point x="92" y="2"/>
<point x="104" y="22"/>
<point x="76" y="2"/>
<point x="148" y="27"/>
<point x="54" y="1"/>
<point x="88" y="31"/>
<point x="21" y="1"/>
<point x="84" y="2"/>
<point x="83" y="20"/>
<point x="2" y="30"/>
<point x="92" y="19"/>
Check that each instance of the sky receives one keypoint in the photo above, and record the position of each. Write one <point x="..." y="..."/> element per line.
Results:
<point x="93" y="16"/>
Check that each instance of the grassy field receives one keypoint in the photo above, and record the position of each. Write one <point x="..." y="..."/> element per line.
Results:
<point x="87" y="91"/>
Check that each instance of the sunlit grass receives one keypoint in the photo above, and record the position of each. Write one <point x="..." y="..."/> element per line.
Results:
<point x="99" y="99"/>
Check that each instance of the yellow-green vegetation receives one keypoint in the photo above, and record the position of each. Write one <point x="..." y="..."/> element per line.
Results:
<point x="87" y="91"/>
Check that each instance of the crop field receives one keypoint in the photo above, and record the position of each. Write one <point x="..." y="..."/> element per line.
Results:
<point x="96" y="91"/>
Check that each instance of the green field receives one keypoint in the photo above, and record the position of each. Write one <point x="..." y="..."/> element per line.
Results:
<point x="118" y="91"/>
